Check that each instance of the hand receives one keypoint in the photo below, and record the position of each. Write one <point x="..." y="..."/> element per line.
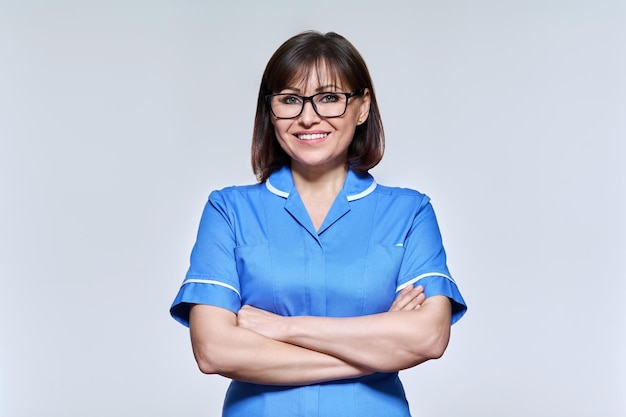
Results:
<point x="408" y="299"/>
<point x="260" y="321"/>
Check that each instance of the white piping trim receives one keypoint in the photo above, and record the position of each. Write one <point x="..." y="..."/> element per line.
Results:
<point x="210" y="281"/>
<point x="275" y="190"/>
<point x="429" y="274"/>
<point x="362" y="194"/>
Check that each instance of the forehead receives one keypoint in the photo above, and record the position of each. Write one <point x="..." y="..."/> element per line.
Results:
<point x="314" y="76"/>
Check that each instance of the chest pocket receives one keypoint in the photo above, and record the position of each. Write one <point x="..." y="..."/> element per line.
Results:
<point x="274" y="278"/>
<point x="379" y="277"/>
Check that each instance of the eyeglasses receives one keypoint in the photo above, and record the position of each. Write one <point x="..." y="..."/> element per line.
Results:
<point x="327" y="104"/>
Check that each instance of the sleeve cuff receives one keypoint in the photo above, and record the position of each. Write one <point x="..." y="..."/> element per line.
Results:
<point x="441" y="284"/>
<point x="203" y="292"/>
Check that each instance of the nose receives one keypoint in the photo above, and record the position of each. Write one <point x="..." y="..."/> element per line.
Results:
<point x="309" y="115"/>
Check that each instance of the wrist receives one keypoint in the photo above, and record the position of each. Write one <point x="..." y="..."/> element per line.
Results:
<point x="288" y="328"/>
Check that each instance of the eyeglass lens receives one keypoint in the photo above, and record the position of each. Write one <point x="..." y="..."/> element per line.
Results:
<point x="325" y="104"/>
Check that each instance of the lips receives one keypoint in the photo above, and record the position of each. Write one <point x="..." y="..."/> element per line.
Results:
<point x="311" y="136"/>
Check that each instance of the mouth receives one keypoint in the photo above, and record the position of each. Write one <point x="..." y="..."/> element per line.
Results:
<point x="311" y="136"/>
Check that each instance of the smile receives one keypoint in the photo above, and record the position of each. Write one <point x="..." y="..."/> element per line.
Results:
<point x="312" y="136"/>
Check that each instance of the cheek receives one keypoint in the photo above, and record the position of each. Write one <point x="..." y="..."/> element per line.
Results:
<point x="280" y="133"/>
<point x="280" y="127"/>
<point x="280" y="136"/>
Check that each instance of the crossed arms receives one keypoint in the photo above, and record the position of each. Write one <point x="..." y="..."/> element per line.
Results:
<point x="261" y="347"/>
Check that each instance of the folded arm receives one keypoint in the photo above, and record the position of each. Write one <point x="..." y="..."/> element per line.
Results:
<point x="221" y="347"/>
<point x="386" y="342"/>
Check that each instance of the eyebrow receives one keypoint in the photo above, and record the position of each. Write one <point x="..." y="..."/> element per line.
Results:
<point x="326" y="87"/>
<point x="320" y="89"/>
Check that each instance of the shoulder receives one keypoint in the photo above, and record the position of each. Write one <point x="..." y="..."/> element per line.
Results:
<point x="236" y="191"/>
<point x="228" y="199"/>
<point x="402" y="193"/>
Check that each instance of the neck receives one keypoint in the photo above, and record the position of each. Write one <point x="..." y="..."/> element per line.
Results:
<point x="319" y="184"/>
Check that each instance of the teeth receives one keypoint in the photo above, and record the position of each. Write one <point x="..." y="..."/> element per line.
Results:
<point x="312" y="136"/>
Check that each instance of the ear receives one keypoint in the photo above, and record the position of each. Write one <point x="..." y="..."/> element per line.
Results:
<point x="364" y="108"/>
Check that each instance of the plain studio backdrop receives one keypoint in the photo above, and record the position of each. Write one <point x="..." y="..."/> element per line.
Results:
<point x="117" y="118"/>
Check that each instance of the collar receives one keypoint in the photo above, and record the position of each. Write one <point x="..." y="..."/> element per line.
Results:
<point x="356" y="186"/>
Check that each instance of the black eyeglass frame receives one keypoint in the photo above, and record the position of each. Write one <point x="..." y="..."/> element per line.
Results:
<point x="304" y="99"/>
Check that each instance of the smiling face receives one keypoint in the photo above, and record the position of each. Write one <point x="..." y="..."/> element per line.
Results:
<point x="302" y="64"/>
<point x="317" y="144"/>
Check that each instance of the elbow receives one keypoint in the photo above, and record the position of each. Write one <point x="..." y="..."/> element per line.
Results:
<point x="437" y="342"/>
<point x="436" y="349"/>
<point x="211" y="330"/>
<point x="415" y="352"/>
<point x="206" y="367"/>
<point x="208" y="361"/>
<point x="430" y="347"/>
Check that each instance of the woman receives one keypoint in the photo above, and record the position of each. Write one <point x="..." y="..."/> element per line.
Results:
<point x="312" y="288"/>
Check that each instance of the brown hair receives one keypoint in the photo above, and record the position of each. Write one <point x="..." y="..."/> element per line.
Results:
<point x="294" y="60"/>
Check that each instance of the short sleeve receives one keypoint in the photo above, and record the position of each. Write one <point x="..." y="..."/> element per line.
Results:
<point x="424" y="261"/>
<point x="212" y="276"/>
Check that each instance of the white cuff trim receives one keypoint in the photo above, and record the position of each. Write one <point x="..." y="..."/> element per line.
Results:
<point x="210" y="281"/>
<point x="429" y="274"/>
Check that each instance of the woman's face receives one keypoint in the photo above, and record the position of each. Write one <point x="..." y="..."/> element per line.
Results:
<point x="315" y="143"/>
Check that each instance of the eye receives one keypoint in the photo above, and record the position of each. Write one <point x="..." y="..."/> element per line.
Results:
<point x="290" y="99"/>
<point x="329" y="98"/>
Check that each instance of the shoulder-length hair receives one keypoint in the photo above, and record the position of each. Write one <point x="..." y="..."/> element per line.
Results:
<point x="292" y="63"/>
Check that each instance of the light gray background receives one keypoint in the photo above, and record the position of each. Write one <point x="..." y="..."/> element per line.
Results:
<point x="117" y="118"/>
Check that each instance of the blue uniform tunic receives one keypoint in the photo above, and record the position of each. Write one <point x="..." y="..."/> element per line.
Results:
<point x="257" y="245"/>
